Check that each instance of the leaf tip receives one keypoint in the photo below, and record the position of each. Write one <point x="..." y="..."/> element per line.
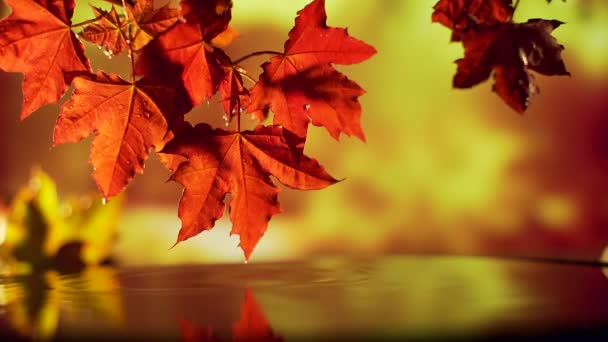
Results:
<point x="175" y="244"/>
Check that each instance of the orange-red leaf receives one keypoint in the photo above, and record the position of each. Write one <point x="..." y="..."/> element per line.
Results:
<point x="148" y="22"/>
<point x="235" y="97"/>
<point x="185" y="49"/>
<point x="108" y="31"/>
<point x="113" y="32"/>
<point x="300" y="85"/>
<point x="221" y="162"/>
<point x="510" y="50"/>
<point x="36" y="40"/>
<point x="129" y="119"/>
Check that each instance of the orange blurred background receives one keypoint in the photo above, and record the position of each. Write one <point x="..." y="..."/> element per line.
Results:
<point x="443" y="170"/>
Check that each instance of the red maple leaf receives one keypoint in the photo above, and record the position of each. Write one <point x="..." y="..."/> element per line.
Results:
<point x="300" y="85"/>
<point x="148" y="22"/>
<point x="240" y="163"/>
<point x="141" y="24"/>
<point x="186" y="49"/>
<point x="108" y="31"/>
<point x="36" y="39"/>
<point x="130" y="118"/>
<point x="460" y="15"/>
<point x="510" y="50"/>
<point x="235" y="97"/>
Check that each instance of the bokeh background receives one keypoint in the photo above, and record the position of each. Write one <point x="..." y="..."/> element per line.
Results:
<point x="443" y="170"/>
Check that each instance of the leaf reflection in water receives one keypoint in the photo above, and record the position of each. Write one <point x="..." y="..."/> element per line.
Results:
<point x="33" y="305"/>
<point x="251" y="326"/>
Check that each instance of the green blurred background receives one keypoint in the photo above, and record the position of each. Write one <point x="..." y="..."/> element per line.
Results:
<point x="443" y="170"/>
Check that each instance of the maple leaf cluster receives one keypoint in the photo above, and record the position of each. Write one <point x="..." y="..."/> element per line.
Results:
<point x="177" y="63"/>
<point x="494" y="44"/>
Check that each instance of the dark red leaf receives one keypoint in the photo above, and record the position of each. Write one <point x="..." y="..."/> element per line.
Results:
<point x="185" y="49"/>
<point x="511" y="51"/>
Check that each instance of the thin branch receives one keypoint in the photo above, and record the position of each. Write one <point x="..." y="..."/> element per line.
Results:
<point x="255" y="54"/>
<point x="515" y="5"/>
<point x="238" y="118"/>
<point x="247" y="77"/>
<point x="86" y="22"/>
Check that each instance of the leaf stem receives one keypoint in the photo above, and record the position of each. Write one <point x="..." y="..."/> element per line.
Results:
<point x="238" y="118"/>
<point x="86" y="22"/>
<point x="515" y="6"/>
<point x="247" y="77"/>
<point x="128" y="38"/>
<point x="255" y="54"/>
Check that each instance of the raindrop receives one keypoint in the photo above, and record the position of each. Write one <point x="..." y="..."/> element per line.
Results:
<point x="108" y="53"/>
<point x="226" y="124"/>
<point x="128" y="41"/>
<point x="71" y="106"/>
<point x="246" y="262"/>
<point x="128" y="162"/>
<point x="147" y="115"/>
<point x="104" y="201"/>
<point x="171" y="170"/>
<point x="121" y="106"/>
<point x="307" y="107"/>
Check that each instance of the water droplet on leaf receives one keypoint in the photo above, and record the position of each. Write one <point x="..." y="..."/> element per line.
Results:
<point x="108" y="53"/>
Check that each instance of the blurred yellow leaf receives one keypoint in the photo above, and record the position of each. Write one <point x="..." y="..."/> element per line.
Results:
<point x="43" y="232"/>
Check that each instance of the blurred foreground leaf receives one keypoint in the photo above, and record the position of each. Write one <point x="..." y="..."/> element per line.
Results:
<point x="43" y="232"/>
